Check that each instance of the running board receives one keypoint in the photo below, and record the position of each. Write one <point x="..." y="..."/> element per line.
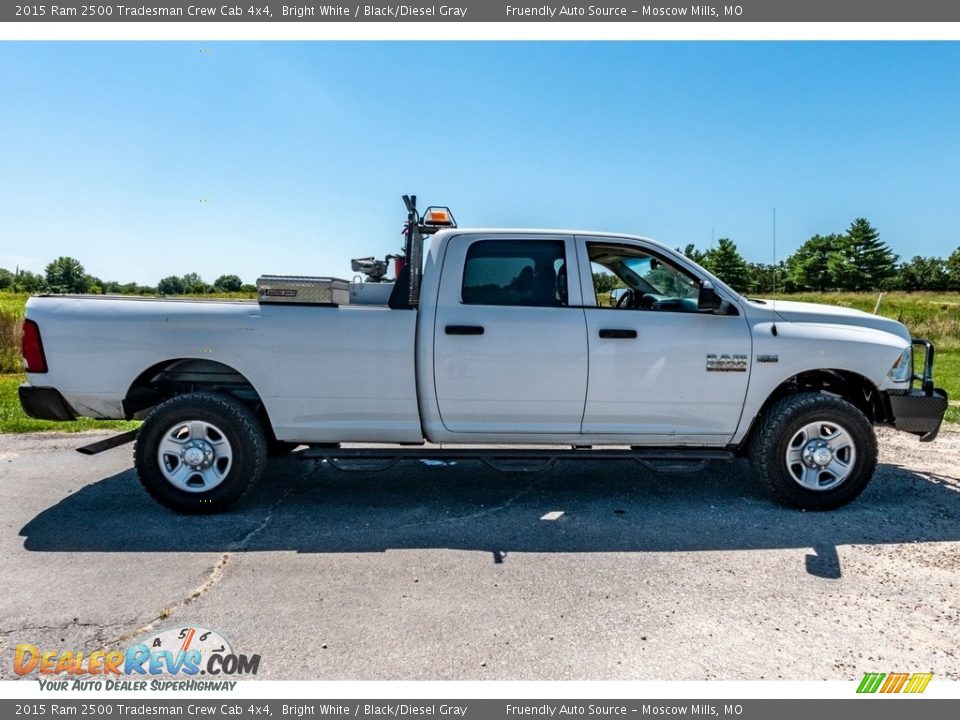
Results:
<point x="512" y="460"/>
<point x="108" y="444"/>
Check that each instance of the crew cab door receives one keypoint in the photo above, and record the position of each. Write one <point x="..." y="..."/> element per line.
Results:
<point x="660" y="371"/>
<point x="510" y="340"/>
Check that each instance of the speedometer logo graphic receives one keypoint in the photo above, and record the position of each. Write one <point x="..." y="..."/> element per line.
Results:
<point x="194" y="637"/>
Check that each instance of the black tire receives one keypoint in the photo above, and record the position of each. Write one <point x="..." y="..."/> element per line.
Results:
<point x="234" y="463"/>
<point x="784" y="429"/>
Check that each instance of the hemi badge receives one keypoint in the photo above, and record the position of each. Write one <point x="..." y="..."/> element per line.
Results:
<point x="768" y="358"/>
<point x="726" y="363"/>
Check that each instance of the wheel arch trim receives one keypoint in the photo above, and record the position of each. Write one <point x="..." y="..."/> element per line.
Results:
<point x="847" y="384"/>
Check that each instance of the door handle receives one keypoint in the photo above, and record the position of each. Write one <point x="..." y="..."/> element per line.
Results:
<point x="618" y="333"/>
<point x="464" y="330"/>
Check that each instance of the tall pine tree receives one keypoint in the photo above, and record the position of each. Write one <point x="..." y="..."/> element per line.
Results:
<point x="808" y="266"/>
<point x="861" y="261"/>
<point x="726" y="262"/>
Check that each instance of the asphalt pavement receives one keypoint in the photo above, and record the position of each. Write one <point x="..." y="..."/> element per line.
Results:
<point x="583" y="571"/>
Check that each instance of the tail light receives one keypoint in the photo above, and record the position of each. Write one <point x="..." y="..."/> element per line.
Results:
<point x="33" y="348"/>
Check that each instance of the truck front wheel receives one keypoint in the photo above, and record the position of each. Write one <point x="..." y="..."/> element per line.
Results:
<point x="814" y="451"/>
<point x="200" y="452"/>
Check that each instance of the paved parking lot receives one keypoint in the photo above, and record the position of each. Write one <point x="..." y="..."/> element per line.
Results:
<point x="585" y="571"/>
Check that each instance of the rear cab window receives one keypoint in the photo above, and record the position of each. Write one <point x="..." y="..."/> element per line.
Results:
<point x="528" y="273"/>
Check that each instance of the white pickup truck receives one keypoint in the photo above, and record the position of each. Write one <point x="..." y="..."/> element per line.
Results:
<point x="495" y="337"/>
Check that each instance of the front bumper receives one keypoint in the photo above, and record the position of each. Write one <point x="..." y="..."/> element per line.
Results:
<point x="45" y="403"/>
<point x="919" y="412"/>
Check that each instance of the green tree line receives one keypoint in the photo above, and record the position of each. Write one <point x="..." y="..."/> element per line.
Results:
<point x="67" y="275"/>
<point x="855" y="260"/>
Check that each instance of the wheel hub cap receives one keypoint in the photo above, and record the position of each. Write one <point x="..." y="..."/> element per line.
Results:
<point x="817" y="454"/>
<point x="821" y="455"/>
<point x="195" y="456"/>
<point x="198" y="454"/>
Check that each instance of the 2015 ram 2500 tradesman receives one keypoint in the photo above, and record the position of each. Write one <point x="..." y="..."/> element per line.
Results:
<point x="501" y="339"/>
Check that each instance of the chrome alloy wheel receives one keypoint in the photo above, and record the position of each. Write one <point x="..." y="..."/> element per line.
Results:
<point x="195" y="456"/>
<point x="821" y="455"/>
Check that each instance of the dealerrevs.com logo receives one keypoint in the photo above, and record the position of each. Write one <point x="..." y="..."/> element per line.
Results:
<point x="187" y="652"/>
<point x="888" y="683"/>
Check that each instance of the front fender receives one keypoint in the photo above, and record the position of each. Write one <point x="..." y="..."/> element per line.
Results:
<point x="784" y="350"/>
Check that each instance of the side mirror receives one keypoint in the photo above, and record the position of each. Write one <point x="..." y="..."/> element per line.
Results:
<point x="708" y="300"/>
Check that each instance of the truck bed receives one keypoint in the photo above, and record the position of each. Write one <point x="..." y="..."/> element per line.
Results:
<point x="352" y="365"/>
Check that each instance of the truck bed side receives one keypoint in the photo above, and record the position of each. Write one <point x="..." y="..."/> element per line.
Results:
<point x="323" y="374"/>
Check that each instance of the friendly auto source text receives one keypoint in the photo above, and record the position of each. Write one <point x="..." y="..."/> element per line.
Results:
<point x="564" y="11"/>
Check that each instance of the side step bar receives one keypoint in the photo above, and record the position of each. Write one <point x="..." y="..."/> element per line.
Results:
<point x="108" y="444"/>
<point x="512" y="459"/>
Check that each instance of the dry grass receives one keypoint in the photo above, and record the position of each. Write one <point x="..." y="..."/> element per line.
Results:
<point x="10" y="330"/>
<point x="933" y="316"/>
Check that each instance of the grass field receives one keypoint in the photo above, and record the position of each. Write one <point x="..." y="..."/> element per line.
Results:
<point x="934" y="316"/>
<point x="12" y="419"/>
<point x="11" y="316"/>
<point x="946" y="373"/>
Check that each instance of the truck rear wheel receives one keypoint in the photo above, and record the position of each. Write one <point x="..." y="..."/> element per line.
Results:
<point x="814" y="451"/>
<point x="200" y="452"/>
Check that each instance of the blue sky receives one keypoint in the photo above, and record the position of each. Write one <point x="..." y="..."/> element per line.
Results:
<point x="150" y="159"/>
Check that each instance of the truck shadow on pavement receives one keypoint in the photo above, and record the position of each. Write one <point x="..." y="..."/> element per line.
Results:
<point x="573" y="508"/>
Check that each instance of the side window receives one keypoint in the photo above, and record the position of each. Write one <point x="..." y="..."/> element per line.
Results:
<point x="628" y="277"/>
<point x="609" y="288"/>
<point x="515" y="272"/>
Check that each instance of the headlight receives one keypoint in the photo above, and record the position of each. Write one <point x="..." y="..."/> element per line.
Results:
<point x="902" y="369"/>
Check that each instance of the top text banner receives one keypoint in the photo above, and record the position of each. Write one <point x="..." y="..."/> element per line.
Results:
<point x="855" y="11"/>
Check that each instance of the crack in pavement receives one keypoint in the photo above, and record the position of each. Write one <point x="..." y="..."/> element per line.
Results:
<point x="61" y="626"/>
<point x="75" y="623"/>
<point x="485" y="511"/>
<point x="244" y="542"/>
<point x="441" y="521"/>
<point x="216" y="573"/>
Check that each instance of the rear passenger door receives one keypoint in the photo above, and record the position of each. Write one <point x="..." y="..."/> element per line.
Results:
<point x="510" y="340"/>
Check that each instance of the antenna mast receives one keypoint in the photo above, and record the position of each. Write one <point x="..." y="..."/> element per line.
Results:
<point x="774" y="254"/>
<point x="773" y="325"/>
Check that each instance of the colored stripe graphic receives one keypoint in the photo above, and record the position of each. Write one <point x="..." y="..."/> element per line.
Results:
<point x="894" y="682"/>
<point x="870" y="682"/>
<point x="918" y="682"/>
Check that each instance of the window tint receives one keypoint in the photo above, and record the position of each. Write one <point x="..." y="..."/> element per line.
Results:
<point x="515" y="272"/>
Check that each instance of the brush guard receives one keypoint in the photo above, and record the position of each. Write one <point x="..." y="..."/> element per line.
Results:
<point x="920" y="411"/>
